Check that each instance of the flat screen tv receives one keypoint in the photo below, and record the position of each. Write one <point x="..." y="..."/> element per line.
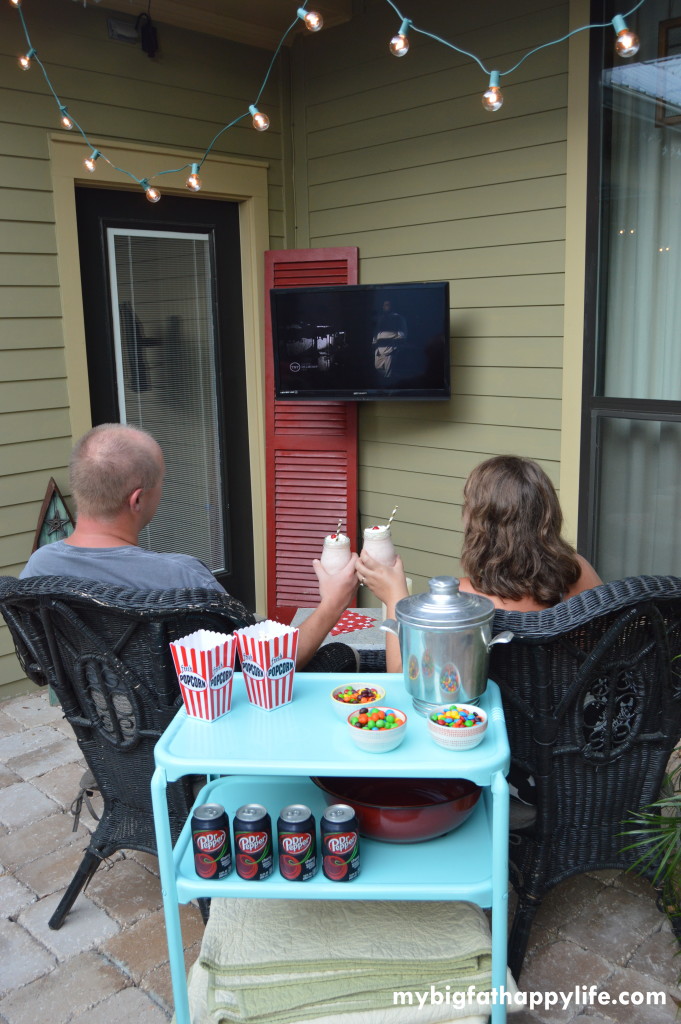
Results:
<point x="361" y="342"/>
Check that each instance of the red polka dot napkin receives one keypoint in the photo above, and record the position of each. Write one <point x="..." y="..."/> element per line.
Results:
<point x="351" y="621"/>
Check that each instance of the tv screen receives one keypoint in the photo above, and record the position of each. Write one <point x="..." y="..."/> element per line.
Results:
<point x="361" y="342"/>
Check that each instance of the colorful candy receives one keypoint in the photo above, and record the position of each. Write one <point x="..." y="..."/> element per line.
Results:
<point x="352" y="696"/>
<point x="368" y="719"/>
<point x="456" y="717"/>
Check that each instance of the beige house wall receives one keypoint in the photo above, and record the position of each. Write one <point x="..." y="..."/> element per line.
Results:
<point x="398" y="157"/>
<point x="146" y="116"/>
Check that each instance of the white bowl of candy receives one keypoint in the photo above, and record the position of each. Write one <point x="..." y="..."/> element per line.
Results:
<point x="457" y="726"/>
<point x="352" y="696"/>
<point x="377" y="729"/>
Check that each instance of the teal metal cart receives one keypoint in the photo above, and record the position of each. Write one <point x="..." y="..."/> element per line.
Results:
<point x="268" y="757"/>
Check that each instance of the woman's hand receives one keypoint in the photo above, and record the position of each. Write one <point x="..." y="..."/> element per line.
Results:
<point x="387" y="582"/>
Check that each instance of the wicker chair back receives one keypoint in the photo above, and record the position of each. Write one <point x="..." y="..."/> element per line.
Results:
<point x="105" y="652"/>
<point x="592" y="698"/>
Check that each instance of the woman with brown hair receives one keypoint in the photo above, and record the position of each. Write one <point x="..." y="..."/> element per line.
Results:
<point x="512" y="550"/>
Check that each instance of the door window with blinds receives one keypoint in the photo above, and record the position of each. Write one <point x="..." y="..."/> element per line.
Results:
<point x="164" y="336"/>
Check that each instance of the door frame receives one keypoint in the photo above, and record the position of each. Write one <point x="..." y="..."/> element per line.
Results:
<point x="240" y="180"/>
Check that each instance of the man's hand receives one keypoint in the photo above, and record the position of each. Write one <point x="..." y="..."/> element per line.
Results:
<point x="337" y="592"/>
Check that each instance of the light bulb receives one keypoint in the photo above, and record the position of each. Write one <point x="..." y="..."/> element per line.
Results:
<point x="152" y="193"/>
<point x="261" y="122"/>
<point x="313" y="19"/>
<point x="399" y="44"/>
<point x="25" y="60"/>
<point x="193" y="182"/>
<point x="91" y="160"/>
<point x="493" y="98"/>
<point x="15" y="3"/>
<point x="66" y="121"/>
<point x="627" y="43"/>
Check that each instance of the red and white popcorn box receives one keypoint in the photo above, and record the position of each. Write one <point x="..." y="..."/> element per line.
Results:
<point x="268" y="662"/>
<point x="204" y="662"/>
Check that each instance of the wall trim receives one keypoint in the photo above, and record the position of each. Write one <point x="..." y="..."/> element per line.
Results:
<point x="233" y="178"/>
<point x="575" y="264"/>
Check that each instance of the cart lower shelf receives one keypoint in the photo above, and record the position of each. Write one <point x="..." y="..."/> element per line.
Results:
<point x="454" y="866"/>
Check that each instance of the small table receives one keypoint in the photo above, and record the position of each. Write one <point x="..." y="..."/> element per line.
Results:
<point x="369" y="642"/>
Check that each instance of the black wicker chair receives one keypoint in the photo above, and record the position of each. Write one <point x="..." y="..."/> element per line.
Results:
<point x="105" y="652"/>
<point x="592" y="699"/>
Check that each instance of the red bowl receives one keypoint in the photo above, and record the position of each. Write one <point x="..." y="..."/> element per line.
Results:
<point x="404" y="810"/>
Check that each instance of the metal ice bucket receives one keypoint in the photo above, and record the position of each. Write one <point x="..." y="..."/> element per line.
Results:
<point x="445" y="637"/>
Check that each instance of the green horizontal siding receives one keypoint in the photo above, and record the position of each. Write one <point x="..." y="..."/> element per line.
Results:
<point x="182" y="99"/>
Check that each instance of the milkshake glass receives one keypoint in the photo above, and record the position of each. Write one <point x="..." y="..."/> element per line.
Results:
<point x="378" y="543"/>
<point x="335" y="552"/>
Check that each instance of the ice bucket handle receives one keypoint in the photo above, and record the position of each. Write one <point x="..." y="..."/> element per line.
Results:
<point x="390" y="626"/>
<point x="501" y="638"/>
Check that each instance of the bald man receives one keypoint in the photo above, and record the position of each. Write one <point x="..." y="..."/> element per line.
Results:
<point x="116" y="473"/>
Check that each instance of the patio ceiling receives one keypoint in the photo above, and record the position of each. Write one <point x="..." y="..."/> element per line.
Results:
<point x="257" y="24"/>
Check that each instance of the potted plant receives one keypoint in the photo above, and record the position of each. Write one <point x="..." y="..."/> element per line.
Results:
<point x="656" y="833"/>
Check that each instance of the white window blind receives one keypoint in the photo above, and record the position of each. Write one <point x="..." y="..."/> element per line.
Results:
<point x="165" y="341"/>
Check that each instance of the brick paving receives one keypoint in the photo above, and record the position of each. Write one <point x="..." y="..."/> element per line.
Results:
<point x="109" y="960"/>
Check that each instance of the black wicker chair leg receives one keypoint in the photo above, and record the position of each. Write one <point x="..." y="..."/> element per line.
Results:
<point x="204" y="907"/>
<point x="86" y="870"/>
<point x="520" y="933"/>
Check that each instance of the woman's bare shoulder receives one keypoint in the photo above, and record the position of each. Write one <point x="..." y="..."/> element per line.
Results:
<point x="588" y="578"/>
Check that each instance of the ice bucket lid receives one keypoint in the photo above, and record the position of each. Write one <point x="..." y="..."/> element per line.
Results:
<point x="444" y="606"/>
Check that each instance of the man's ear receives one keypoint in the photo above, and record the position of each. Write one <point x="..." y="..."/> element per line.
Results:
<point x="135" y="500"/>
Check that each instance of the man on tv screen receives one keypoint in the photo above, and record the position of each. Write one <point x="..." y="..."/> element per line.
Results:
<point x="391" y="329"/>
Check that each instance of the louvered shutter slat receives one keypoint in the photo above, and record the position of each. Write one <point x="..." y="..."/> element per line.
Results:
<point x="311" y="450"/>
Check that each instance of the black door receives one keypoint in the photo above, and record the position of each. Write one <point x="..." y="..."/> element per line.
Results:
<point x="165" y="350"/>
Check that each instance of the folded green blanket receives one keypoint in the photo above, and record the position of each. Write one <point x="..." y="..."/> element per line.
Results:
<point x="202" y="1013"/>
<point x="285" y="936"/>
<point x="287" y="960"/>
<point x="267" y="1005"/>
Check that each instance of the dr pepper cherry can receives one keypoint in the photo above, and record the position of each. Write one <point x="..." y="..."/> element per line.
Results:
<point x="253" y="842"/>
<point x="210" y="838"/>
<point x="297" y="843"/>
<point x="339" y="830"/>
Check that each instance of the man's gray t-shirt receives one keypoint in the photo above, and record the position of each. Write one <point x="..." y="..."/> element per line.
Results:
<point x="132" y="567"/>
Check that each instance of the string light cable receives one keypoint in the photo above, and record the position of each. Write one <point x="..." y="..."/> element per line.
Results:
<point x="626" y="45"/>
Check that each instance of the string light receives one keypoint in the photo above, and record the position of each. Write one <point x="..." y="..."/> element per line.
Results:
<point x="261" y="122"/>
<point x="193" y="182"/>
<point x="627" y="43"/>
<point x="399" y="44"/>
<point x="151" y="192"/>
<point x="313" y="19"/>
<point x="493" y="98"/>
<point x="25" y="60"/>
<point x="91" y="160"/>
<point x="66" y="121"/>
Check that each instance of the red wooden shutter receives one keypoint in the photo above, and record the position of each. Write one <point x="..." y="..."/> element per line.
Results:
<point x="311" y="450"/>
